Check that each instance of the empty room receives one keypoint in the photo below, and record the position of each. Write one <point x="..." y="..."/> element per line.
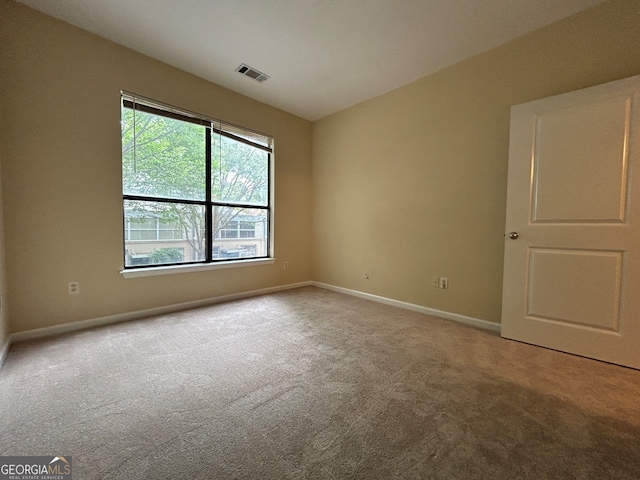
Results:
<point x="356" y="239"/>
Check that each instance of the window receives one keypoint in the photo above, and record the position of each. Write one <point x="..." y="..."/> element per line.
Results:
<point x="195" y="190"/>
<point x="239" y="229"/>
<point x="150" y="229"/>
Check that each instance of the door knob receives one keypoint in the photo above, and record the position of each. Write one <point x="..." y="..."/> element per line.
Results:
<point x="513" y="235"/>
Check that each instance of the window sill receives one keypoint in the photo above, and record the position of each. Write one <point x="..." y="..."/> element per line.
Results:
<point x="155" y="271"/>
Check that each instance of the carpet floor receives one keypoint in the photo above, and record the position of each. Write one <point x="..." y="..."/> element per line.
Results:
<point x="313" y="384"/>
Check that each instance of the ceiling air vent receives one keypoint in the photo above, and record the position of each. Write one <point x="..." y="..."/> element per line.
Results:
<point x="252" y="73"/>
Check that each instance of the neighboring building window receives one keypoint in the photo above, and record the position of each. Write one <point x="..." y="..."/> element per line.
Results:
<point x="195" y="190"/>
<point x="150" y="228"/>
<point x="243" y="228"/>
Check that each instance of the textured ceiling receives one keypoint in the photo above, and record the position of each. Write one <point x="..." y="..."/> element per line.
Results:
<point x="322" y="55"/>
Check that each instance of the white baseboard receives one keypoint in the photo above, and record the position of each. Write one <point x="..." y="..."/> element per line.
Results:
<point x="123" y="317"/>
<point x="475" y="322"/>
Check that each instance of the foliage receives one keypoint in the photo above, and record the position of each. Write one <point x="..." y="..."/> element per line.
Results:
<point x="166" y="255"/>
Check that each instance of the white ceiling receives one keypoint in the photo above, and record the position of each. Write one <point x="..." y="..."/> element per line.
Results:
<point x="322" y="55"/>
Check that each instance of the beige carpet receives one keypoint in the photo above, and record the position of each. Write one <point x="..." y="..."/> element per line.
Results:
<point x="313" y="384"/>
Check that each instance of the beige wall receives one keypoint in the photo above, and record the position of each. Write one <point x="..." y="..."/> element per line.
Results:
<point x="412" y="184"/>
<point x="408" y="186"/>
<point x="4" y="319"/>
<point x="61" y="169"/>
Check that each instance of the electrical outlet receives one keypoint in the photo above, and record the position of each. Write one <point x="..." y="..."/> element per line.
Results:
<point x="285" y="265"/>
<point x="366" y="275"/>
<point x="444" y="283"/>
<point x="435" y="282"/>
<point x="73" y="288"/>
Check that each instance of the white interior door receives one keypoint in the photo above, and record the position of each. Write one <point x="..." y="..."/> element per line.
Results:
<point x="572" y="275"/>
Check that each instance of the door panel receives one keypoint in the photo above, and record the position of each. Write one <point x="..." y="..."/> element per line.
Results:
<point x="576" y="287"/>
<point x="572" y="275"/>
<point x="580" y="162"/>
